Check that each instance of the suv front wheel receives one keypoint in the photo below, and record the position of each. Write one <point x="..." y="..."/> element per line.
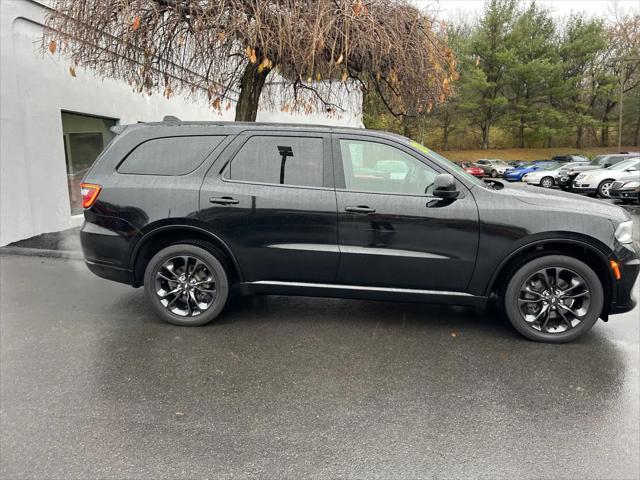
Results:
<point x="554" y="299"/>
<point x="186" y="285"/>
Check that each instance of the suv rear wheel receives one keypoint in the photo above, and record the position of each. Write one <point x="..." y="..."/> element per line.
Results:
<point x="554" y="299"/>
<point x="186" y="284"/>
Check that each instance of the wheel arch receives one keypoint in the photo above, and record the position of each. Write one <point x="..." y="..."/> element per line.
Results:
<point x="163" y="236"/>
<point x="595" y="256"/>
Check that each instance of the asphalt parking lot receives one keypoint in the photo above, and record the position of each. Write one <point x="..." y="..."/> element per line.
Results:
<point x="93" y="386"/>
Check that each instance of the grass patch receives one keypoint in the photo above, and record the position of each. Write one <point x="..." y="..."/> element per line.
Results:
<point x="529" y="154"/>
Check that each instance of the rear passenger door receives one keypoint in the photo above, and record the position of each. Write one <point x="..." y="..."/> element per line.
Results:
<point x="270" y="198"/>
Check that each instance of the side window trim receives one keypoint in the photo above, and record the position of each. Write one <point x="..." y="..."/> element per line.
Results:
<point x="241" y="139"/>
<point x="339" y="178"/>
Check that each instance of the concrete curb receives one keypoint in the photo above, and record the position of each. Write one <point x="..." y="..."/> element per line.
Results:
<point x="42" y="252"/>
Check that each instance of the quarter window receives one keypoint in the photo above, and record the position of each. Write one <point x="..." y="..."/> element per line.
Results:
<point x="169" y="156"/>
<point x="380" y="168"/>
<point x="279" y="160"/>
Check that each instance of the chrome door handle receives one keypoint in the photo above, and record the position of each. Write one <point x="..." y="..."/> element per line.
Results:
<point x="360" y="209"/>
<point x="224" y="200"/>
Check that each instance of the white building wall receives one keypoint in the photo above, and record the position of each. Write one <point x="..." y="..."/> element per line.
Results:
<point x="35" y="89"/>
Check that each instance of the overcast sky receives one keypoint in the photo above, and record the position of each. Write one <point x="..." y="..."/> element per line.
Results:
<point x="451" y="9"/>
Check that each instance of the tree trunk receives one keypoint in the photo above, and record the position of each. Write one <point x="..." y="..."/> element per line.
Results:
<point x="485" y="136"/>
<point x="521" y="133"/>
<point x="637" y="133"/>
<point x="604" y="134"/>
<point x="251" y="85"/>
<point x="445" y="135"/>
<point x="579" y="133"/>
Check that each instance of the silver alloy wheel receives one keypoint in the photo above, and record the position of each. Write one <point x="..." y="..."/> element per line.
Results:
<point x="604" y="189"/>
<point x="554" y="300"/>
<point x="494" y="174"/>
<point x="185" y="285"/>
<point x="547" y="182"/>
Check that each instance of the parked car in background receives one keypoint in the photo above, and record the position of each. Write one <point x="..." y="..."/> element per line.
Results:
<point x="516" y="174"/>
<point x="493" y="167"/>
<point x="600" y="181"/>
<point x="547" y="175"/>
<point x="573" y="157"/>
<point x="518" y="163"/>
<point x="626" y="189"/>
<point x="194" y="211"/>
<point x="565" y="180"/>
<point x="472" y="169"/>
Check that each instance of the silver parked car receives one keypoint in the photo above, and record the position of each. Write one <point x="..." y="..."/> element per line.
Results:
<point x="548" y="176"/>
<point x="493" y="167"/>
<point x="600" y="181"/>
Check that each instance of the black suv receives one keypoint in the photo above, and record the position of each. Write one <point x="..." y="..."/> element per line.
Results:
<point x="194" y="211"/>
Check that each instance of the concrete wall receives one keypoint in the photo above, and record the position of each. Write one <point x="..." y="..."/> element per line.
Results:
<point x="36" y="88"/>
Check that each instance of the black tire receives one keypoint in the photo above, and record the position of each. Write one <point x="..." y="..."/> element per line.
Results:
<point x="547" y="182"/>
<point x="603" y="188"/>
<point x="212" y="265"/>
<point x="522" y="274"/>
<point x="494" y="174"/>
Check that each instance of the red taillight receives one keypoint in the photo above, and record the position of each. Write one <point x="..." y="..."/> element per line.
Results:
<point x="89" y="192"/>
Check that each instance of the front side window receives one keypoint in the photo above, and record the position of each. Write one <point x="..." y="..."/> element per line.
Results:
<point x="279" y="160"/>
<point x="380" y="168"/>
<point x="169" y="156"/>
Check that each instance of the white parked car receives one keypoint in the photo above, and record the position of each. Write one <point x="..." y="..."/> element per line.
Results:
<point x="548" y="175"/>
<point x="599" y="181"/>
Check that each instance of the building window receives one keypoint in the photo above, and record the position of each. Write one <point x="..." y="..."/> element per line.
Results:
<point x="84" y="138"/>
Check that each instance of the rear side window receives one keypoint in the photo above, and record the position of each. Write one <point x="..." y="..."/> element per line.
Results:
<point x="169" y="156"/>
<point x="279" y="160"/>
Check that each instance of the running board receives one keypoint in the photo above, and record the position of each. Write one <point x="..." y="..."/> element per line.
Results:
<point x="272" y="287"/>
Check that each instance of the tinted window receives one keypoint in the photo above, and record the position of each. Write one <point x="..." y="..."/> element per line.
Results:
<point x="376" y="167"/>
<point x="279" y="160"/>
<point x="169" y="156"/>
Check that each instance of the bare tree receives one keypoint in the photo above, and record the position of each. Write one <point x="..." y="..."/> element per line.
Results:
<point x="231" y="48"/>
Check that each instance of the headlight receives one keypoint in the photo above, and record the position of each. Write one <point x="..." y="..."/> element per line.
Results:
<point x="631" y="185"/>
<point x="624" y="232"/>
<point x="587" y="178"/>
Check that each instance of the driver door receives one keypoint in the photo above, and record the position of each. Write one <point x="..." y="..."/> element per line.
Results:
<point x="391" y="231"/>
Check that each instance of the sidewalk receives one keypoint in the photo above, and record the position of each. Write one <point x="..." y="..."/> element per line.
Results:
<point x="63" y="244"/>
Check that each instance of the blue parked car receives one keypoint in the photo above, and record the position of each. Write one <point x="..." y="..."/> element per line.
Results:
<point x="516" y="174"/>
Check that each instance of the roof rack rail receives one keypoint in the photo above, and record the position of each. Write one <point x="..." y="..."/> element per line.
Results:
<point x="171" y="118"/>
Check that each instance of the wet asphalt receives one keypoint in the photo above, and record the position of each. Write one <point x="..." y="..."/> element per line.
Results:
<point x="94" y="386"/>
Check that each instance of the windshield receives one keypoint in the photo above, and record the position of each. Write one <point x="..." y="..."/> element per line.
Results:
<point x="448" y="164"/>
<point x="550" y="166"/>
<point x="499" y="162"/>
<point x="632" y="162"/>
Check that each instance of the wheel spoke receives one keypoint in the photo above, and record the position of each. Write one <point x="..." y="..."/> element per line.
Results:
<point x="529" y="300"/>
<point x="173" y="280"/>
<point x="528" y="289"/>
<point x="170" y="270"/>
<point x="188" y="304"/>
<point x="547" y="317"/>
<point x="569" y="324"/>
<point x="577" y="295"/>
<point x="165" y="295"/>
<point x="575" y="314"/>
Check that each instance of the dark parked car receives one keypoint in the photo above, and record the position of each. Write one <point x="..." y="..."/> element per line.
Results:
<point x="194" y="211"/>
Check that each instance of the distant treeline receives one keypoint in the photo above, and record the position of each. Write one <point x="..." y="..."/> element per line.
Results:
<point x="530" y="80"/>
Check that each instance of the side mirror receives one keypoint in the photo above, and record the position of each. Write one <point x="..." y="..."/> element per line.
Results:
<point x="445" y="187"/>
